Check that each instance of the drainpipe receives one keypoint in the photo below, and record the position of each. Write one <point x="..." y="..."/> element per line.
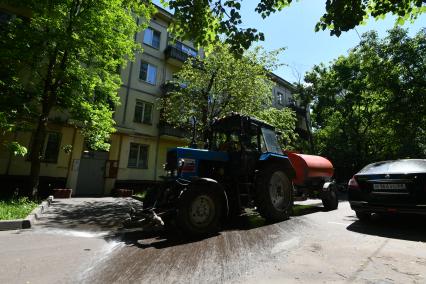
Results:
<point x="71" y="154"/>
<point x="9" y="162"/>
<point x="156" y="157"/>
<point x="129" y="82"/>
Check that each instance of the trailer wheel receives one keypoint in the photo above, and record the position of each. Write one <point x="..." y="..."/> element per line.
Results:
<point x="200" y="210"/>
<point x="274" y="194"/>
<point x="329" y="198"/>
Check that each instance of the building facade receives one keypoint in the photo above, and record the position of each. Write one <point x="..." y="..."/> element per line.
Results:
<point x="138" y="148"/>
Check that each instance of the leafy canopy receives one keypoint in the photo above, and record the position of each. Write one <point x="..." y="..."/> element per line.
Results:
<point x="219" y="84"/>
<point x="204" y="21"/>
<point x="371" y="104"/>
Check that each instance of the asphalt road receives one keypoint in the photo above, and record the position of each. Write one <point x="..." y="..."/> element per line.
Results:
<point x="89" y="247"/>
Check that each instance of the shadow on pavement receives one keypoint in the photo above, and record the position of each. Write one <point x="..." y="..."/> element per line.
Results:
<point x="109" y="214"/>
<point x="90" y="214"/>
<point x="403" y="227"/>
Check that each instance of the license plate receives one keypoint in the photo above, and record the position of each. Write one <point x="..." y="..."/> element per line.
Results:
<point x="389" y="186"/>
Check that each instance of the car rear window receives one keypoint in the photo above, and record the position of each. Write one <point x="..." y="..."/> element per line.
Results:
<point x="398" y="166"/>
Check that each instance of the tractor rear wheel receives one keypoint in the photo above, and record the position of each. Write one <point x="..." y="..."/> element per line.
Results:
<point x="200" y="210"/>
<point x="274" y="194"/>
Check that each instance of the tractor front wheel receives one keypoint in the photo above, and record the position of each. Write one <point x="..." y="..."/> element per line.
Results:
<point x="274" y="194"/>
<point x="200" y="210"/>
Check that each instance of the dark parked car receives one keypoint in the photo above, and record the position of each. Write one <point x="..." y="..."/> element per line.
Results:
<point x="389" y="187"/>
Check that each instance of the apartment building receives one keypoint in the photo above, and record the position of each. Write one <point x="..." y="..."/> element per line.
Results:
<point x="138" y="148"/>
<point x="283" y="97"/>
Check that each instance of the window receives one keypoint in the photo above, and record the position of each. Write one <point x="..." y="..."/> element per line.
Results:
<point x="143" y="112"/>
<point x="152" y="38"/>
<point x="148" y="73"/>
<point x="50" y="149"/>
<point x="280" y="98"/>
<point x="138" y="156"/>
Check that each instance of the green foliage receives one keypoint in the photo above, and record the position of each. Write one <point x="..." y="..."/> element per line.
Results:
<point x="65" y="57"/>
<point x="218" y="85"/>
<point x="284" y="121"/>
<point x="371" y="104"/>
<point x="17" y="149"/>
<point x="16" y="208"/>
<point x="205" y="21"/>
<point x="343" y="15"/>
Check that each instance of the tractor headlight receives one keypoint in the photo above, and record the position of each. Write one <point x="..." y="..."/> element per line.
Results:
<point x="180" y="163"/>
<point x="170" y="173"/>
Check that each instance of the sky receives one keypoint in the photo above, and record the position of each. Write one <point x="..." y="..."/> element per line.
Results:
<point x="293" y="28"/>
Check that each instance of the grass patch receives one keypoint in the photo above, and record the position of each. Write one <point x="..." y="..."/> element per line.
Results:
<point x="141" y="194"/>
<point x="299" y="210"/>
<point x="16" y="208"/>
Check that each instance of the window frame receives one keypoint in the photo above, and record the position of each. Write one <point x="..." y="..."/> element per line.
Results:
<point x="151" y="43"/>
<point x="138" y="165"/>
<point x="280" y="98"/>
<point x="142" y="115"/>
<point x="147" y="73"/>
<point x="44" y="147"/>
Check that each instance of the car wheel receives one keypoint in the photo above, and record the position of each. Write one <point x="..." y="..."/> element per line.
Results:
<point x="199" y="211"/>
<point x="274" y="194"/>
<point x="363" y="216"/>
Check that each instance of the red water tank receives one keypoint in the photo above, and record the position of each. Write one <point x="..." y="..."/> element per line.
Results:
<point x="309" y="166"/>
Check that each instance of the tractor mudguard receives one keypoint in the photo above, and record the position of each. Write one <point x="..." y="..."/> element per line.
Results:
<point x="328" y="185"/>
<point x="269" y="158"/>
<point x="203" y="181"/>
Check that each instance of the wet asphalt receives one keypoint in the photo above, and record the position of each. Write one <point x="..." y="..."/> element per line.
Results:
<point x="83" y="241"/>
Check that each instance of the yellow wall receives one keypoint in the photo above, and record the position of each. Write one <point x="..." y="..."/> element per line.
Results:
<point x="164" y="146"/>
<point x="21" y="165"/>
<point x="125" y="173"/>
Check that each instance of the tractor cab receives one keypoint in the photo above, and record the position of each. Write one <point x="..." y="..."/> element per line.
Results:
<point x="243" y="133"/>
<point x="247" y="141"/>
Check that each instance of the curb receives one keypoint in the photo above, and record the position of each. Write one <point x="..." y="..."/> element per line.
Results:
<point x="29" y="220"/>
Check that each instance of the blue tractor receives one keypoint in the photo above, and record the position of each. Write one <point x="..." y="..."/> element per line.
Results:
<point x="243" y="166"/>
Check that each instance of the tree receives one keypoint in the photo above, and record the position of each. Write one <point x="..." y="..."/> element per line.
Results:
<point x="219" y="84"/>
<point x="371" y="104"/>
<point x="65" y="57"/>
<point x="284" y="121"/>
<point x="204" y="21"/>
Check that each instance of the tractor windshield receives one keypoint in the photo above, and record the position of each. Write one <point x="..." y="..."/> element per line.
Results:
<point x="270" y="142"/>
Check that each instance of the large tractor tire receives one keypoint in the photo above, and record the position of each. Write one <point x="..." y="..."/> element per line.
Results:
<point x="200" y="210"/>
<point x="329" y="198"/>
<point x="274" y="194"/>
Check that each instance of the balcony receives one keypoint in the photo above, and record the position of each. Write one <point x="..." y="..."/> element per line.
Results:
<point x="166" y="129"/>
<point x="175" y="56"/>
<point x="298" y="109"/>
<point x="170" y="86"/>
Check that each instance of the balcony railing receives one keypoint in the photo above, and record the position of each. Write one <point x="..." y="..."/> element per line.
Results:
<point x="173" y="52"/>
<point x="170" y="86"/>
<point x="298" y="109"/>
<point x="166" y="129"/>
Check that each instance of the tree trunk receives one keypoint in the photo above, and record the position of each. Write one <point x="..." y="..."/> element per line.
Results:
<point x="308" y="127"/>
<point x="35" y="152"/>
